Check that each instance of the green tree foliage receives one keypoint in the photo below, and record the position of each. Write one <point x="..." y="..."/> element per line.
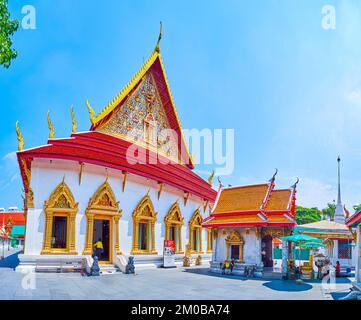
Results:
<point x="329" y="212"/>
<point x="307" y="215"/>
<point x="7" y="29"/>
<point x="357" y="207"/>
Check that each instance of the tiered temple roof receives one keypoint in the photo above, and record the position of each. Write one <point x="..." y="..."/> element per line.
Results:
<point x="144" y="103"/>
<point x="253" y="205"/>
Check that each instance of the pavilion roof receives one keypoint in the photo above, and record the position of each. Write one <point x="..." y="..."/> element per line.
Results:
<point x="253" y="205"/>
<point x="243" y="198"/>
<point x="354" y="220"/>
<point x="12" y="218"/>
<point x="279" y="200"/>
<point x="325" y="229"/>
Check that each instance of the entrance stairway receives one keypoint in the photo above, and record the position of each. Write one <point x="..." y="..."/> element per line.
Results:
<point x="106" y="269"/>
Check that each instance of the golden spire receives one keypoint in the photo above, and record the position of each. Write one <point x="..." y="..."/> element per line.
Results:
<point x="51" y="128"/>
<point x="20" y="137"/>
<point x="73" y="120"/>
<point x="210" y="178"/>
<point x="91" y="112"/>
<point x="157" y="48"/>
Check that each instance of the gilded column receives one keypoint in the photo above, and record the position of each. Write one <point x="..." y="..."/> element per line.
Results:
<point x="153" y="236"/>
<point x="241" y="252"/>
<point x="117" y="246"/>
<point x="47" y="233"/>
<point x="89" y="235"/>
<point x="180" y="247"/>
<point x="135" y="236"/>
<point x="72" y="233"/>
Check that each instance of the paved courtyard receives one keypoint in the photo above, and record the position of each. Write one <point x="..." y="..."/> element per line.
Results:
<point x="179" y="284"/>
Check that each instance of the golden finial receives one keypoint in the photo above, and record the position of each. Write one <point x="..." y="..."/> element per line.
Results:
<point x="91" y="112"/>
<point x="210" y="178"/>
<point x="73" y="120"/>
<point x="157" y="48"/>
<point x="20" y="137"/>
<point x="51" y="128"/>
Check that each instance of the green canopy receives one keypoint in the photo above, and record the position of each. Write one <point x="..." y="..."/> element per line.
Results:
<point x="313" y="245"/>
<point x="300" y="238"/>
<point x="17" y="231"/>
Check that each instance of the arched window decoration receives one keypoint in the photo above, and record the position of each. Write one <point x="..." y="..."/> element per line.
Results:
<point x="195" y="232"/>
<point x="234" y="247"/>
<point x="103" y="206"/>
<point x="144" y="219"/>
<point x="60" y="211"/>
<point x="173" y="226"/>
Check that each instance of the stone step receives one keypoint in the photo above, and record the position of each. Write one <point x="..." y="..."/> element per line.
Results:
<point x="109" y="269"/>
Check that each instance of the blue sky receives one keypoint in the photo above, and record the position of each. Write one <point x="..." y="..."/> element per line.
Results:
<point x="290" y="89"/>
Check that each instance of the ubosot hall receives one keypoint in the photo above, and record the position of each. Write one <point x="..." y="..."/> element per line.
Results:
<point x="92" y="186"/>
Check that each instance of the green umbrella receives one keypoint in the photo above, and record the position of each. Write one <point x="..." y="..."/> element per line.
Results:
<point x="300" y="238"/>
<point x="313" y="245"/>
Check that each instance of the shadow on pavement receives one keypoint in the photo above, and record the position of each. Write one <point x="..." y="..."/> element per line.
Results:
<point x="279" y="285"/>
<point x="11" y="261"/>
<point x="339" y="295"/>
<point x="206" y="272"/>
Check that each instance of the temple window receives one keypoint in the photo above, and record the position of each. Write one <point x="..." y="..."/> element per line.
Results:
<point x="234" y="247"/>
<point x="103" y="215"/>
<point x="60" y="211"/>
<point x="195" y="232"/>
<point x="344" y="249"/>
<point x="143" y="236"/>
<point x="59" y="233"/>
<point x="173" y="226"/>
<point x="144" y="218"/>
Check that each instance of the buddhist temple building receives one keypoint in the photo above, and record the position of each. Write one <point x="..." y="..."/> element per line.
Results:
<point x="354" y="222"/>
<point x="126" y="181"/>
<point x="244" y="221"/>
<point x="337" y="236"/>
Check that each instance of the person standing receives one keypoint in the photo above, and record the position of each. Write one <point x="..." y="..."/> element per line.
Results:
<point x="99" y="249"/>
<point x="338" y="268"/>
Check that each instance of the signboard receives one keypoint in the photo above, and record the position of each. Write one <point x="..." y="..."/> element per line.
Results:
<point x="169" y="254"/>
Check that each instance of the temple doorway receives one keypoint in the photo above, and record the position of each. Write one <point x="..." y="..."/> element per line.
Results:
<point x="102" y="230"/>
<point x="266" y="251"/>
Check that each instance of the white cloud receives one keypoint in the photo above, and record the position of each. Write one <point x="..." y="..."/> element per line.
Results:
<point x="11" y="156"/>
<point x="314" y="193"/>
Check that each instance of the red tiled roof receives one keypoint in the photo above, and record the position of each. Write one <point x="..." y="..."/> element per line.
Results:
<point x="105" y="150"/>
<point x="13" y="218"/>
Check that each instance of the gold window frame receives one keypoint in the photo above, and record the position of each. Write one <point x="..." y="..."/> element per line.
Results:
<point x="60" y="203"/>
<point x="174" y="218"/>
<point x="195" y="223"/>
<point x="235" y="239"/>
<point x="103" y="205"/>
<point x="138" y="217"/>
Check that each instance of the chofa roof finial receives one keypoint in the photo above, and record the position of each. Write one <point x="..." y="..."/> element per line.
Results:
<point x="295" y="184"/>
<point x="73" y="120"/>
<point x="91" y="112"/>
<point x="20" y="137"/>
<point x="274" y="176"/>
<point x="157" y="47"/>
<point x="51" y="128"/>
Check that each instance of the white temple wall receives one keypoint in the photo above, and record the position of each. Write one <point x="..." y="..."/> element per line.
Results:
<point x="46" y="176"/>
<point x="251" y="247"/>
